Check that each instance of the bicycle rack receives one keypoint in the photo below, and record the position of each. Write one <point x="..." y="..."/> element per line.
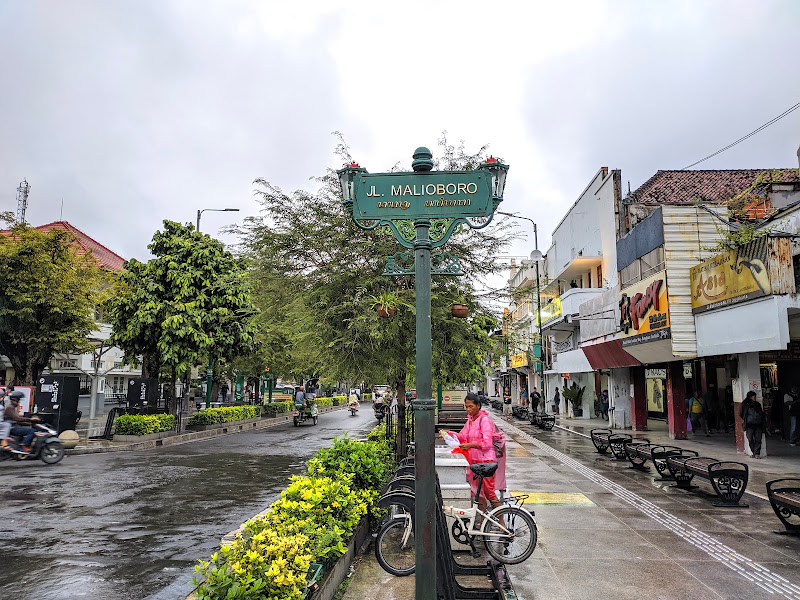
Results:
<point x="447" y="567"/>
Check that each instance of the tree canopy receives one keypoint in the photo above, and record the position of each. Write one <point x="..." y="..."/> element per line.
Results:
<point x="47" y="299"/>
<point x="317" y="279"/>
<point x="189" y="302"/>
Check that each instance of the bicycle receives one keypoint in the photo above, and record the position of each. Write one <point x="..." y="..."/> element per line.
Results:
<point x="508" y="532"/>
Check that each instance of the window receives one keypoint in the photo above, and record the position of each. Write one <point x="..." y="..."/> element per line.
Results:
<point x="643" y="267"/>
<point x="599" y="275"/>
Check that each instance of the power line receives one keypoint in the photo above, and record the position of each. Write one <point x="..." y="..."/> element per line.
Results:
<point x="741" y="139"/>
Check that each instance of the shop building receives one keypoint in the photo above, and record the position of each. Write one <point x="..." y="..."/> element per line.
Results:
<point x="672" y="222"/>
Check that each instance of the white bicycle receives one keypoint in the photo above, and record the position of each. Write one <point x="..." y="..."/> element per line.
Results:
<point x="508" y="532"/>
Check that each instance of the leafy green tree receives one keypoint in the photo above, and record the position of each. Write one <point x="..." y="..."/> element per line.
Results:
<point x="189" y="302"/>
<point x="317" y="278"/>
<point x="47" y="298"/>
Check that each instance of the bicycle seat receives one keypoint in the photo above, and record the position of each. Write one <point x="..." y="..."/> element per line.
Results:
<point x="484" y="469"/>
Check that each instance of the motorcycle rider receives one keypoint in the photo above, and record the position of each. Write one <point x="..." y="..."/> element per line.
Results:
<point x="353" y="400"/>
<point x="19" y="425"/>
<point x="5" y="426"/>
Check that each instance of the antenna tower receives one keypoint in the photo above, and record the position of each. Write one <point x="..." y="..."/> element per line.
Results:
<point x="22" y="200"/>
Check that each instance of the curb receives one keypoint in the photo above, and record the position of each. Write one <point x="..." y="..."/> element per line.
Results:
<point x="185" y="438"/>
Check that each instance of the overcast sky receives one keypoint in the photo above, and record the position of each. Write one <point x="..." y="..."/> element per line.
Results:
<point x="131" y="112"/>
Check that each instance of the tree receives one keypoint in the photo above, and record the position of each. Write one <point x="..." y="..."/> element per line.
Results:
<point x="317" y="277"/>
<point x="47" y="299"/>
<point x="189" y="302"/>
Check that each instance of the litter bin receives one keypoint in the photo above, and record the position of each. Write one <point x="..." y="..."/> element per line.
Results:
<point x="56" y="401"/>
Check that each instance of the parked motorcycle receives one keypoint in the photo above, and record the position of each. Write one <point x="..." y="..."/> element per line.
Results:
<point x="45" y="445"/>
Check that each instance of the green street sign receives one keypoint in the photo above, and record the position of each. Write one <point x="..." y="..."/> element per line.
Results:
<point x="422" y="195"/>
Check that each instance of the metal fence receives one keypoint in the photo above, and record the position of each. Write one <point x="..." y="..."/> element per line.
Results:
<point x="401" y="438"/>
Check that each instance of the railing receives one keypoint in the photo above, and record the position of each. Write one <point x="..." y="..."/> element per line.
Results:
<point x="400" y="437"/>
<point x="521" y="311"/>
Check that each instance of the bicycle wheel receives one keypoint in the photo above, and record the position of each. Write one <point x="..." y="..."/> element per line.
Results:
<point x="394" y="547"/>
<point x="509" y="534"/>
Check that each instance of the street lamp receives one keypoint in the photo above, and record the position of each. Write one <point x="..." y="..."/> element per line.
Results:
<point x="200" y="212"/>
<point x="537" y="257"/>
<point x="210" y="371"/>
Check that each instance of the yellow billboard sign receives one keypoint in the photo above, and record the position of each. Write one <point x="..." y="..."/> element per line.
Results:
<point x="731" y="277"/>
<point x="644" y="311"/>
<point x="519" y="360"/>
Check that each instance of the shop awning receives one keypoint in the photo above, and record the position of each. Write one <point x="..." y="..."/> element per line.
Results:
<point x="609" y="355"/>
<point x="573" y="361"/>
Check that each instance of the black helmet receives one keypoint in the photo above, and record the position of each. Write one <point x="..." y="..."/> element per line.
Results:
<point x="16" y="396"/>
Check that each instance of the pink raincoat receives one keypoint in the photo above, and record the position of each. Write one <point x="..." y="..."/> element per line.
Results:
<point x="479" y="430"/>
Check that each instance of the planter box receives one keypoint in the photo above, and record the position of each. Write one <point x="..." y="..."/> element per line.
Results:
<point x="143" y="438"/>
<point x="337" y="573"/>
<point x="230" y="425"/>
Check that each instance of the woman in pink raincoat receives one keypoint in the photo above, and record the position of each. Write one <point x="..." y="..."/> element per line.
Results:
<point x="476" y="442"/>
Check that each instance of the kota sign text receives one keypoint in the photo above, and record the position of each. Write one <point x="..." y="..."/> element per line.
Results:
<point x="436" y="194"/>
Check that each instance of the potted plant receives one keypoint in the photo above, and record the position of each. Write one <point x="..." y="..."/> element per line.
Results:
<point x="385" y="303"/>
<point x="459" y="310"/>
<point x="574" y="395"/>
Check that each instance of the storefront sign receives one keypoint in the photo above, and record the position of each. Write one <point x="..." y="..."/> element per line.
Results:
<point x="687" y="370"/>
<point x="731" y="277"/>
<point x="519" y="360"/>
<point x="655" y="373"/>
<point x="551" y="311"/>
<point x="644" y="313"/>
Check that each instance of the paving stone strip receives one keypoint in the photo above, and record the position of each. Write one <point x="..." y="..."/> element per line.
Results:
<point x="742" y="565"/>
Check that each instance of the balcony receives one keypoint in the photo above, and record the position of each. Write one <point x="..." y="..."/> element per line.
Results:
<point x="524" y="310"/>
<point x="525" y="277"/>
<point x="557" y="314"/>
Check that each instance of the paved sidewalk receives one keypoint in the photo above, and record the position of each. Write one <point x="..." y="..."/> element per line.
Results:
<point x="609" y="532"/>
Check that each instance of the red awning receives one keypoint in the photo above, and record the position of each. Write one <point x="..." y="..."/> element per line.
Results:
<point x="609" y="355"/>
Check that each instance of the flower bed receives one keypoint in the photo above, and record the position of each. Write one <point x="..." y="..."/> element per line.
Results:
<point x="143" y="424"/>
<point x="226" y="414"/>
<point x="312" y="522"/>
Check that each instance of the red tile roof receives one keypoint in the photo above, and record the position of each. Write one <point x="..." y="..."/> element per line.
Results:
<point x="690" y="187"/>
<point x="106" y="258"/>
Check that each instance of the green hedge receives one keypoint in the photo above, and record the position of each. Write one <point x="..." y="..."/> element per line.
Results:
<point x="275" y="408"/>
<point x="313" y="521"/>
<point x="226" y="414"/>
<point x="324" y="401"/>
<point x="337" y="400"/>
<point x="143" y="424"/>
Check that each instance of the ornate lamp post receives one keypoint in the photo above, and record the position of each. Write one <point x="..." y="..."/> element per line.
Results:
<point x="210" y="369"/>
<point x="423" y="209"/>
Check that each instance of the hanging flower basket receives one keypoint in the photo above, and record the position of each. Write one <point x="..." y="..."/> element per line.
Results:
<point x="460" y="310"/>
<point x="385" y="312"/>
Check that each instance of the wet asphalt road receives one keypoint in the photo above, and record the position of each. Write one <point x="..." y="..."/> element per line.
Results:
<point x="131" y="525"/>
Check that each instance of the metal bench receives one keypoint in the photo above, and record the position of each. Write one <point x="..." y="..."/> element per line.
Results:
<point x="640" y="450"/>
<point x="784" y="496"/>
<point x="605" y="439"/>
<point x="543" y="420"/>
<point x="728" y="478"/>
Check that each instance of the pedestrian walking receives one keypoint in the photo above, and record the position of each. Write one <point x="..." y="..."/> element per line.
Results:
<point x="224" y="391"/>
<point x="697" y="414"/>
<point x="792" y="399"/>
<point x="556" y="402"/>
<point x="752" y="415"/>
<point x="478" y="442"/>
<point x="604" y="404"/>
<point x="536" y="399"/>
<point x="523" y="397"/>
<point x="506" y="402"/>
